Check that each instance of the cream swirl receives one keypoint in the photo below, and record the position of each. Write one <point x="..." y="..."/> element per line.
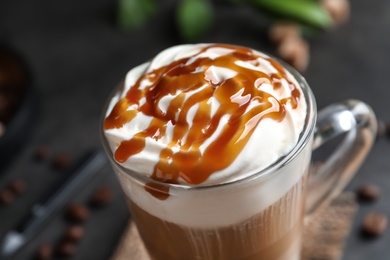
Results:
<point x="205" y="114"/>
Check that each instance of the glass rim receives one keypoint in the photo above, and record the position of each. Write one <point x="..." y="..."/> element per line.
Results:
<point x="303" y="140"/>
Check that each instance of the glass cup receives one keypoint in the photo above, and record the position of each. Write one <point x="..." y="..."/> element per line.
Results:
<point x="260" y="216"/>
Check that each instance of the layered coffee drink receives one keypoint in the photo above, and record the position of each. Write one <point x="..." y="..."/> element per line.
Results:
<point x="200" y="137"/>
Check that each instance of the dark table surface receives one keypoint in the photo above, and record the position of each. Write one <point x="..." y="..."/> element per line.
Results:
<point x="77" y="56"/>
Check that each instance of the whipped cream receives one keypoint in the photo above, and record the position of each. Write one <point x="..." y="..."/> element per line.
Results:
<point x="267" y="139"/>
<point x="180" y="133"/>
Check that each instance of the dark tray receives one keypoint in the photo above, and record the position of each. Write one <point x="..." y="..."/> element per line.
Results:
<point x="19" y="124"/>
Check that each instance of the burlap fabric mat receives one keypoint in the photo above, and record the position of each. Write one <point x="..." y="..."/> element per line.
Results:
<point x="324" y="237"/>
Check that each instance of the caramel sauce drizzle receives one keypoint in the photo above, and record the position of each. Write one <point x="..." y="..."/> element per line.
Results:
<point x="234" y="96"/>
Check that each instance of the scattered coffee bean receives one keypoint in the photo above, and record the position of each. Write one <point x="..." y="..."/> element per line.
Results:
<point x="6" y="197"/>
<point x="66" y="249"/>
<point x="77" y="212"/>
<point x="17" y="186"/>
<point x="44" y="252"/>
<point x="278" y="32"/>
<point x="339" y="10"/>
<point x="74" y="233"/>
<point x="61" y="161"/>
<point x="42" y="153"/>
<point x="374" y="224"/>
<point x="295" y="51"/>
<point x="102" y="196"/>
<point x="368" y="192"/>
<point x="290" y="46"/>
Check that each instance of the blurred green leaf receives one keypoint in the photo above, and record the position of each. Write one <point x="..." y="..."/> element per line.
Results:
<point x="194" y="18"/>
<point x="134" y="13"/>
<point x="309" y="12"/>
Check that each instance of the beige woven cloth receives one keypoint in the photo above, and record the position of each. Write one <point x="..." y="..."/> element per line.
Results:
<point x="324" y="237"/>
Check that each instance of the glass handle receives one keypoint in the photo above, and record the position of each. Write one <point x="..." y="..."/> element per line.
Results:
<point x="357" y="121"/>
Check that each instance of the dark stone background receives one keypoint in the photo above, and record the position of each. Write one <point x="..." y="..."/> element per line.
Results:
<point x="77" y="56"/>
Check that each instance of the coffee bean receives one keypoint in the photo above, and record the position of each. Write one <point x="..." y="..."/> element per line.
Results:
<point x="278" y="32"/>
<point x="61" y="161"/>
<point x="295" y="51"/>
<point x="77" y="212"/>
<point x="6" y="197"/>
<point x="74" y="233"/>
<point x="66" y="249"/>
<point x="102" y="196"/>
<point x="42" y="153"/>
<point x="44" y="252"/>
<point x="368" y="192"/>
<point x="339" y="10"/>
<point x="17" y="186"/>
<point x="374" y="224"/>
